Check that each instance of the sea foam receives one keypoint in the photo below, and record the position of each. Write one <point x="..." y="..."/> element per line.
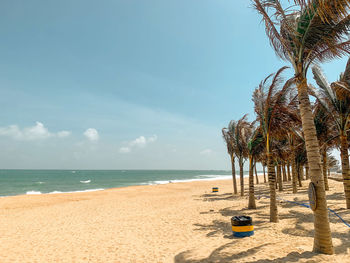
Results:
<point x="85" y="182"/>
<point x="80" y="191"/>
<point x="206" y="177"/>
<point x="61" y="192"/>
<point x="33" y="193"/>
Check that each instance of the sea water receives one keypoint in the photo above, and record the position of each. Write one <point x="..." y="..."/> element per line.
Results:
<point x="18" y="182"/>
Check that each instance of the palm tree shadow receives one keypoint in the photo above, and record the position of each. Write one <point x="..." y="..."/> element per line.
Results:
<point x="218" y="255"/>
<point x="217" y="227"/>
<point x="336" y="196"/>
<point x="216" y="197"/>
<point x="300" y="230"/>
<point x="260" y="217"/>
<point x="291" y="257"/>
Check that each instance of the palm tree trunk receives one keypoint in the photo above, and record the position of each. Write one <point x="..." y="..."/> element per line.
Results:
<point x="294" y="171"/>
<point x="323" y="238"/>
<point x="299" y="175"/>
<point x="288" y="171"/>
<point x="241" y="174"/>
<point x="302" y="175"/>
<point x="284" y="172"/>
<point x="264" y="174"/>
<point x="279" y="176"/>
<point x="272" y="179"/>
<point x="324" y="170"/>
<point x="307" y="171"/>
<point x="251" y="203"/>
<point x="256" y="174"/>
<point x="329" y="172"/>
<point x="345" y="167"/>
<point x="234" y="174"/>
<point x="276" y="173"/>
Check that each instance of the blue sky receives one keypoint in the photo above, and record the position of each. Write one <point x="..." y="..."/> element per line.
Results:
<point x="118" y="84"/>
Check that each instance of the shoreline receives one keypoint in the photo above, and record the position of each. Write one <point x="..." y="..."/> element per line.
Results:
<point x="116" y="188"/>
<point x="40" y="181"/>
<point x="161" y="182"/>
<point x="176" y="222"/>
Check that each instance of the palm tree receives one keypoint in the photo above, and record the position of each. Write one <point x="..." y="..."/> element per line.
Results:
<point x="271" y="114"/>
<point x="308" y="32"/>
<point x="332" y="163"/>
<point x="324" y="169"/>
<point x="241" y="137"/>
<point x="264" y="164"/>
<point x="326" y="134"/>
<point x="280" y="152"/>
<point x="335" y="98"/>
<point x="255" y="148"/>
<point x="307" y="171"/>
<point x="228" y="135"/>
<point x="256" y="173"/>
<point x="284" y="169"/>
<point x="288" y="170"/>
<point x="292" y="144"/>
<point x="261" y="158"/>
<point x="300" y="159"/>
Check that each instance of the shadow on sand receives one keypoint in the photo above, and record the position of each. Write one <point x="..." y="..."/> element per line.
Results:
<point x="223" y="228"/>
<point x="218" y="255"/>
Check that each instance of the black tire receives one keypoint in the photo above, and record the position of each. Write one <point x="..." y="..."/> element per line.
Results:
<point x="241" y="221"/>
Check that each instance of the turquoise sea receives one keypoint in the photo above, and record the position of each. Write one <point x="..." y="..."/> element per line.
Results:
<point x="19" y="182"/>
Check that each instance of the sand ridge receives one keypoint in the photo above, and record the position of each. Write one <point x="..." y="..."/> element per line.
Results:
<point x="177" y="222"/>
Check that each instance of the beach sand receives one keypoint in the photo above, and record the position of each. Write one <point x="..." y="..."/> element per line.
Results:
<point x="177" y="222"/>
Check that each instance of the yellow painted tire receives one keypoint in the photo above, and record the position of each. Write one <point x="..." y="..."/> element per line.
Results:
<point x="242" y="228"/>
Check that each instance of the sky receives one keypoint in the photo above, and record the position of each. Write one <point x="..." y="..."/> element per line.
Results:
<point x="116" y="84"/>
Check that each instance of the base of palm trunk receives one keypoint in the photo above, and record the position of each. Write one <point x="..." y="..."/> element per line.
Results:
<point x="322" y="238"/>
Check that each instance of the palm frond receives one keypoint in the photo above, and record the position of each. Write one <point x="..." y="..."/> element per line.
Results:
<point x="276" y="41"/>
<point x="307" y="32"/>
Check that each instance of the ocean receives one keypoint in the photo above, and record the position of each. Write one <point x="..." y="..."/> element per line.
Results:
<point x="20" y="182"/>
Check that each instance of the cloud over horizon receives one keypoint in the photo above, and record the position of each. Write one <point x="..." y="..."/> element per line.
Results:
<point x="36" y="132"/>
<point x="92" y="135"/>
<point x="139" y="142"/>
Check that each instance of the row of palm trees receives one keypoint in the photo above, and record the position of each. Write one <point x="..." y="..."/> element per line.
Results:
<point x="288" y="127"/>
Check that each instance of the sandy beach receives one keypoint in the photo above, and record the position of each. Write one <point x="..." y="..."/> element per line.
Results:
<point x="177" y="222"/>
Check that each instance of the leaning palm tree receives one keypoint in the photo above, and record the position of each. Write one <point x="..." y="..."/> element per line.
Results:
<point x="294" y="138"/>
<point x="227" y="134"/>
<point x="255" y="148"/>
<point x="241" y="137"/>
<point x="269" y="105"/>
<point x="307" y="32"/>
<point x="326" y="134"/>
<point x="335" y="98"/>
<point x="281" y="146"/>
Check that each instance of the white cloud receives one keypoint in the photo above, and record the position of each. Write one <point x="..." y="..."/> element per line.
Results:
<point x="91" y="134"/>
<point x="206" y="152"/>
<point x="140" y="142"/>
<point x="11" y="131"/>
<point x="37" y="132"/>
